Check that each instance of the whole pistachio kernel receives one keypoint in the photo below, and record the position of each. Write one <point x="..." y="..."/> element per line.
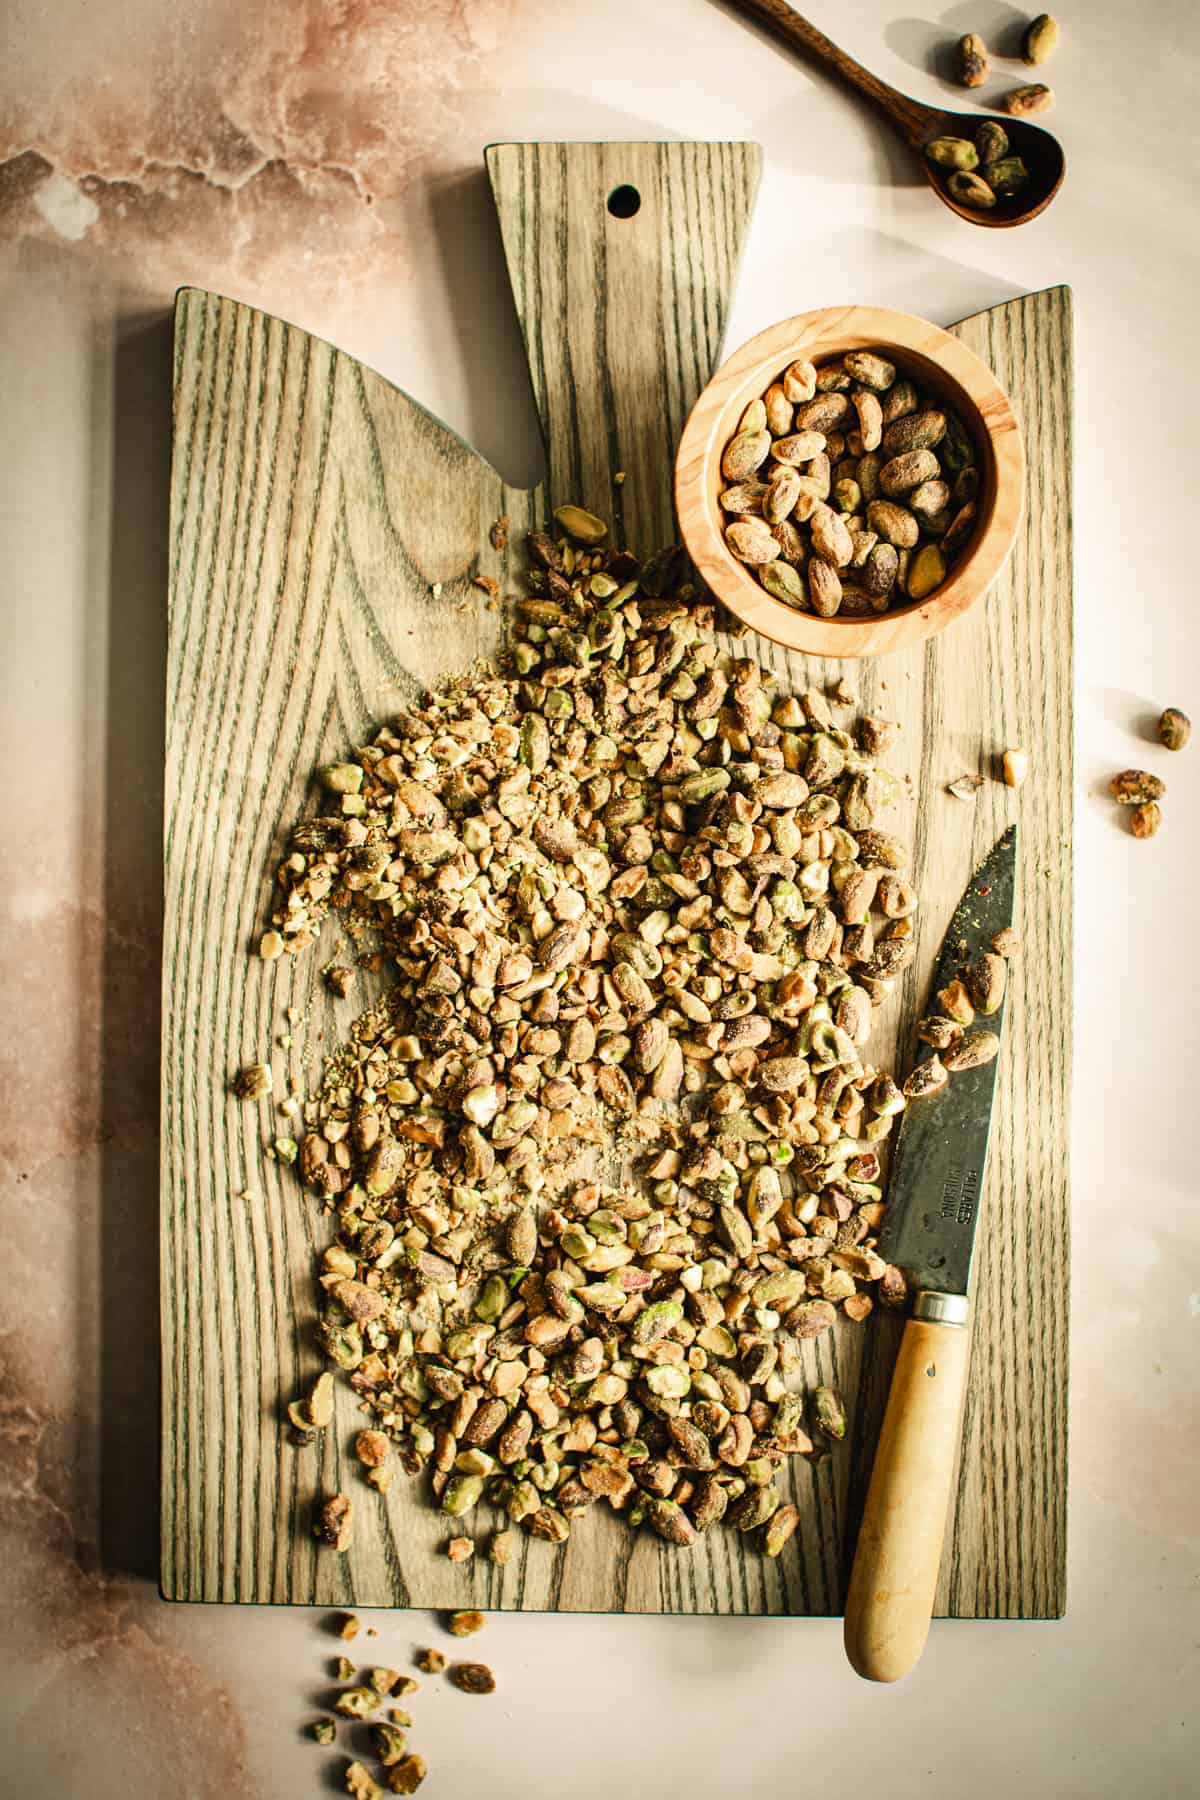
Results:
<point x="991" y="142"/>
<point x="989" y="977"/>
<point x="473" y="1678"/>
<point x="1041" y="39"/>
<point x="971" y="190"/>
<point x="1145" y="820"/>
<point x="1023" y="100"/>
<point x="971" y="60"/>
<point x="1134" y="787"/>
<point x="830" y="1413"/>
<point x="778" y="1529"/>
<point x="583" y="526"/>
<point x="952" y="153"/>
<point x="1007" y="176"/>
<point x="1174" y="728"/>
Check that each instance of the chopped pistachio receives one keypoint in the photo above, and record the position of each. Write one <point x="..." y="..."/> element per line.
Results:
<point x="356" y="1702"/>
<point x="389" y="1743"/>
<point x="254" y="1082"/>
<point x="408" y="1775"/>
<point x="464" y="1624"/>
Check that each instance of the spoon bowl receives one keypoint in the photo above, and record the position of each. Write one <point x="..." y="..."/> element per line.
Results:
<point x="1038" y="149"/>
<point x="918" y="125"/>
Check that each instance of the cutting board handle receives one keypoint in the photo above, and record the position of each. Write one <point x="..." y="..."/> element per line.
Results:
<point x="890" y="1600"/>
<point x="622" y="259"/>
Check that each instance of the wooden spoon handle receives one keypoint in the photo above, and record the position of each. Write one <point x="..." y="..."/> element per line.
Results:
<point x="910" y="118"/>
<point x="892" y="1585"/>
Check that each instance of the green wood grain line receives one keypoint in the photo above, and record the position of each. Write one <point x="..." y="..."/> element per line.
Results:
<point x="314" y="510"/>
<point x="622" y="318"/>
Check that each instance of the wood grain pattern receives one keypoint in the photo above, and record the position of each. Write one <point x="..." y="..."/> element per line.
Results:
<point x="314" y="511"/>
<point x="942" y="366"/>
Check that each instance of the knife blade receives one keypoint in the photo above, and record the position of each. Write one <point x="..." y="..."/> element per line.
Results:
<point x="938" y="1165"/>
<point x="934" y="1198"/>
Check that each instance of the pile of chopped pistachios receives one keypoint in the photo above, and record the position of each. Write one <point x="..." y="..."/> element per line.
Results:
<point x="608" y="1148"/>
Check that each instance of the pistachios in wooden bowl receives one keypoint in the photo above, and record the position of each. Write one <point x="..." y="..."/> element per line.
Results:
<point x="850" y="481"/>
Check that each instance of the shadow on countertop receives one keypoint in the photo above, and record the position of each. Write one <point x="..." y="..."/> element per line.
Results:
<point x="134" y="643"/>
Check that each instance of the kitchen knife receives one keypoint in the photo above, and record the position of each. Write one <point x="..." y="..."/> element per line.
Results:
<point x="934" y="1194"/>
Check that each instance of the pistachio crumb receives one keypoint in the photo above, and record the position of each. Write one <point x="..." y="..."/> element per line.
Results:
<point x="465" y="1623"/>
<point x="408" y="1775"/>
<point x="360" y="1784"/>
<point x="356" y="1702"/>
<point x="254" y="1082"/>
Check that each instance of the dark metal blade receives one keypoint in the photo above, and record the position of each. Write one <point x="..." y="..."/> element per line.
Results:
<point x="938" y="1163"/>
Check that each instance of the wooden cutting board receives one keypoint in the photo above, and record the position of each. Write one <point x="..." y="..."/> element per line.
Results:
<point x="325" y="530"/>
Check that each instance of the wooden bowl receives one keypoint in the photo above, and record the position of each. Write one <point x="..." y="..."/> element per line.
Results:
<point x="935" y="361"/>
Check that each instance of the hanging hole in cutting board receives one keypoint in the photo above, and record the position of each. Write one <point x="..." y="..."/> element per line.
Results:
<point x="624" y="201"/>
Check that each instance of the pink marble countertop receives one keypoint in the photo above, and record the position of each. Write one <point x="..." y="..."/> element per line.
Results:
<point x="323" y="159"/>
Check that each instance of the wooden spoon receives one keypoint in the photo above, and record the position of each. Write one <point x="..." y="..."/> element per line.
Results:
<point x="918" y="125"/>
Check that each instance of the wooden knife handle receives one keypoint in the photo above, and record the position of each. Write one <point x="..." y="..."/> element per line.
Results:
<point x="892" y="1585"/>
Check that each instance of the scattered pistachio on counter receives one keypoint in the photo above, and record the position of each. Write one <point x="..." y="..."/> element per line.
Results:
<point x="465" y="1623"/>
<point x="1134" y="787"/>
<point x="971" y="60"/>
<point x="389" y="1743"/>
<point x="473" y="1678"/>
<point x="407" y="1776"/>
<point x="1145" y="820"/>
<point x="1174" y="728"/>
<point x="1041" y="39"/>
<point x="1034" y="98"/>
